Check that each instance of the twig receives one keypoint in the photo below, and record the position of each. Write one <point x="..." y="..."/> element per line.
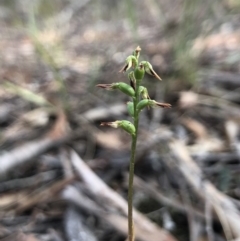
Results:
<point x="156" y="193"/>
<point x="57" y="135"/>
<point x="27" y="182"/>
<point x="75" y="227"/>
<point x="208" y="216"/>
<point x="43" y="195"/>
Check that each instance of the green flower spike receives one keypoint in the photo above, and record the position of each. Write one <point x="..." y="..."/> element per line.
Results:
<point x="149" y="69"/>
<point x="139" y="100"/>
<point x="125" y="88"/>
<point x="123" y="124"/>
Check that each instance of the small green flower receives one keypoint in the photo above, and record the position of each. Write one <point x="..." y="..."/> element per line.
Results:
<point x="151" y="103"/>
<point x="149" y="69"/>
<point x="123" y="124"/>
<point x="131" y="61"/>
<point x="143" y="92"/>
<point x="125" y="88"/>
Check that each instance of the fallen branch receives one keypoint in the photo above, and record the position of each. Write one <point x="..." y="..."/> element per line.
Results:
<point x="26" y="152"/>
<point x="43" y="195"/>
<point x="226" y="210"/>
<point x="156" y="193"/>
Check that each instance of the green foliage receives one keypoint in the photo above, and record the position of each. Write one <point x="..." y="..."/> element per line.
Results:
<point x="25" y="94"/>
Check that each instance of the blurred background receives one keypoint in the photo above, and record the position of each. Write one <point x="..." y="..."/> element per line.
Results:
<point x="62" y="176"/>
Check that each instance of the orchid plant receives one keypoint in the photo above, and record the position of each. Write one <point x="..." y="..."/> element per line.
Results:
<point x="139" y="100"/>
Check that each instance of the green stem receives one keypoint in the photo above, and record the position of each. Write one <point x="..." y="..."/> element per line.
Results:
<point x="131" y="167"/>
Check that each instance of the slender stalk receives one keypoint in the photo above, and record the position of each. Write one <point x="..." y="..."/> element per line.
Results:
<point x="131" y="167"/>
<point x="134" y="107"/>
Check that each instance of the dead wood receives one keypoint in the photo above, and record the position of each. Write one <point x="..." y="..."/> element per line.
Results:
<point x="225" y="209"/>
<point x="113" y="219"/>
<point x="172" y="202"/>
<point x="57" y="135"/>
<point x="75" y="227"/>
<point x="42" y="196"/>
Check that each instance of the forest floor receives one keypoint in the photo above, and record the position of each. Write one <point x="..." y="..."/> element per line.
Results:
<point x="62" y="176"/>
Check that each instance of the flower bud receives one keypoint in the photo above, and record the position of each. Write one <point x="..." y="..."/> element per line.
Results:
<point x="130" y="108"/>
<point x="139" y="72"/>
<point x="149" y="69"/>
<point x="125" y="88"/>
<point x="128" y="127"/>
<point x="136" y="52"/>
<point x="131" y="61"/>
<point x="125" y="125"/>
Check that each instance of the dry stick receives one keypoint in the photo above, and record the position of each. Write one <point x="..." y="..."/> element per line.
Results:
<point x="208" y="216"/>
<point x="99" y="189"/>
<point x="172" y="202"/>
<point x="26" y="182"/>
<point x="57" y="135"/>
<point x="192" y="222"/>
<point x="74" y="225"/>
<point x="226" y="210"/>
<point x="119" y="223"/>
<point x="43" y="195"/>
<point x="19" y="155"/>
